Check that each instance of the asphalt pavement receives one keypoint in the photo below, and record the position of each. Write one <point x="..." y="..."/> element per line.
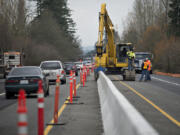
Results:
<point x="157" y="100"/>
<point x="78" y="119"/>
<point x="83" y="117"/>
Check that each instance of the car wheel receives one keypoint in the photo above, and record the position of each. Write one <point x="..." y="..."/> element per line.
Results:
<point x="8" y="95"/>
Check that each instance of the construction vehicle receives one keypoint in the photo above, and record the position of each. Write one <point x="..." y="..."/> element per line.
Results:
<point x="8" y="60"/>
<point x="139" y="59"/>
<point x="110" y="56"/>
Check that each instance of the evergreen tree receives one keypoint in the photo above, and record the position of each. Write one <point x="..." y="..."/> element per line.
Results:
<point x="61" y="13"/>
<point x="174" y="15"/>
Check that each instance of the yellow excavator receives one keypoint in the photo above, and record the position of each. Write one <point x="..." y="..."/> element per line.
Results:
<point x="111" y="57"/>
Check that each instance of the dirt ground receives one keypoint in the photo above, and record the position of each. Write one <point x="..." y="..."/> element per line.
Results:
<point x="168" y="74"/>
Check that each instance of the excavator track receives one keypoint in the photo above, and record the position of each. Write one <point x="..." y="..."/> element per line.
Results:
<point x="129" y="75"/>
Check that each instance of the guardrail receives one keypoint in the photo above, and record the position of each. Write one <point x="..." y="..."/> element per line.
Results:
<point x="118" y="115"/>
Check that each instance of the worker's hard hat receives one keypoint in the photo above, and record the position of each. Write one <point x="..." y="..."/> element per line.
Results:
<point x="146" y="58"/>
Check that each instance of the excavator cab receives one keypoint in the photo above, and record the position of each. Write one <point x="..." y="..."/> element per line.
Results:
<point x="122" y="60"/>
<point x="121" y="52"/>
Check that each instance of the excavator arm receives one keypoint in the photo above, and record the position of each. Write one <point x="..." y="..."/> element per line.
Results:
<point x="105" y="23"/>
<point x="110" y="57"/>
<point x="99" y="45"/>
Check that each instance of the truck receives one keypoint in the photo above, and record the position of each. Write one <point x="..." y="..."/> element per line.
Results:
<point x="8" y="60"/>
<point x="110" y="56"/>
<point x="139" y="59"/>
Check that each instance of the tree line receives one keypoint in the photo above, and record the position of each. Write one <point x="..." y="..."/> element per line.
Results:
<point x="46" y="33"/>
<point x="154" y="26"/>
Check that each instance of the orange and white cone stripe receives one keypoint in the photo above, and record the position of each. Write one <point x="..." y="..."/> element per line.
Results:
<point x="22" y="124"/>
<point x="40" y="109"/>
<point x="22" y="113"/>
<point x="74" y="81"/>
<point x="56" y="102"/>
<point x="71" y="87"/>
<point x="40" y="100"/>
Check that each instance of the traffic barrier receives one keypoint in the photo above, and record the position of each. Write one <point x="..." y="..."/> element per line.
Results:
<point x="22" y="113"/>
<point x="56" y="101"/>
<point x="84" y="71"/>
<point x="118" y="115"/>
<point x="87" y="70"/>
<point x="71" y="86"/>
<point x="74" y="81"/>
<point x="80" y="76"/>
<point x="83" y="78"/>
<point x="92" y="68"/>
<point x="85" y="75"/>
<point x="40" y="109"/>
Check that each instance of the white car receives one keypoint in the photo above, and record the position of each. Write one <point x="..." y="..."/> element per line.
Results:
<point x="79" y="65"/>
<point x="88" y="63"/>
<point x="53" y="68"/>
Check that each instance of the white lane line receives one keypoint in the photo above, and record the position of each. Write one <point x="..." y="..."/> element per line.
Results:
<point x="166" y="81"/>
<point x="2" y="94"/>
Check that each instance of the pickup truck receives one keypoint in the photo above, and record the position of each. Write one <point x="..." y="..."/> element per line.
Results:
<point x="139" y="59"/>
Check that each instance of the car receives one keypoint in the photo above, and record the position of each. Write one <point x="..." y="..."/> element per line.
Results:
<point x="79" y="65"/>
<point x="88" y="63"/>
<point x="70" y="66"/>
<point x="54" y="68"/>
<point x="27" y="78"/>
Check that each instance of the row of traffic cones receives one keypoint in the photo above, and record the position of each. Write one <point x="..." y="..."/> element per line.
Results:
<point x="84" y="73"/>
<point x="22" y="110"/>
<point x="72" y="86"/>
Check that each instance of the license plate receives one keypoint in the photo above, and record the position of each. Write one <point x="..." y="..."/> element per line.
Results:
<point x="24" y="82"/>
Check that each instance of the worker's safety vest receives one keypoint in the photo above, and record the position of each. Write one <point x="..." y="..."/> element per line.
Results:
<point x="130" y="54"/>
<point x="149" y="65"/>
<point x="145" y="65"/>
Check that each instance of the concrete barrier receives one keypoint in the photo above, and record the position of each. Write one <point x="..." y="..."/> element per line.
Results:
<point x="118" y="115"/>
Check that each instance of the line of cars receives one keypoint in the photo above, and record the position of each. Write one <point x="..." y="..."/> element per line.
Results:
<point x="27" y="77"/>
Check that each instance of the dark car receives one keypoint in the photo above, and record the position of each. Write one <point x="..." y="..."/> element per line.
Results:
<point x="70" y="66"/>
<point x="26" y="78"/>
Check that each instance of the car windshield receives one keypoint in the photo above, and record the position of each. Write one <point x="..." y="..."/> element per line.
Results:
<point x="25" y="71"/>
<point x="50" y="65"/>
<point x="78" y="63"/>
<point x="87" y="62"/>
<point x="143" y="56"/>
<point x="69" y="64"/>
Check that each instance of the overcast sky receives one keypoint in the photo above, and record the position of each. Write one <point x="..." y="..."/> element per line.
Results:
<point x="85" y="13"/>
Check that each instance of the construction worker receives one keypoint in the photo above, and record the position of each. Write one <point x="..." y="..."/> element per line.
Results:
<point x="131" y="56"/>
<point x="124" y="52"/>
<point x="144" y="67"/>
<point x="149" y="69"/>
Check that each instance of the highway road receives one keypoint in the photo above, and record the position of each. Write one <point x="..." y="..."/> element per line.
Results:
<point x="78" y="118"/>
<point x="8" y="108"/>
<point x="158" y="100"/>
